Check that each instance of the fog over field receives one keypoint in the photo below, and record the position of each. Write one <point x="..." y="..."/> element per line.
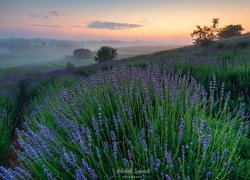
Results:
<point x="54" y="54"/>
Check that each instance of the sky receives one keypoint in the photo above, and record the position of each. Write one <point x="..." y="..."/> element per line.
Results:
<point x="152" y="20"/>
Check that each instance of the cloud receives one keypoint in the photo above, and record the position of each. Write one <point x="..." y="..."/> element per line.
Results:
<point x="111" y="25"/>
<point x="43" y="16"/>
<point x="47" y="25"/>
<point x="35" y="15"/>
<point x="75" y="26"/>
<point x="54" y="13"/>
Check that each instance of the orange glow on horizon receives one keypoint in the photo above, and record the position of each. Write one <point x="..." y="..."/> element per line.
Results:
<point x="158" y="21"/>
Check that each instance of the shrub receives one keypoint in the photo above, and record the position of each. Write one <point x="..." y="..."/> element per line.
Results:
<point x="82" y="53"/>
<point x="106" y="53"/>
<point x="230" y="31"/>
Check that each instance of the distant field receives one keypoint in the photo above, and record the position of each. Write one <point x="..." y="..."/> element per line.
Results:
<point x="47" y="61"/>
<point x="57" y="60"/>
<point x="124" y="52"/>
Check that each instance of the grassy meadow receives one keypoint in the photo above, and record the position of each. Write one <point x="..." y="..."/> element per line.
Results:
<point x="174" y="114"/>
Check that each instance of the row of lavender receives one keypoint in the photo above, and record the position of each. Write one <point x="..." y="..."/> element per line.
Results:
<point x="9" y="92"/>
<point x="130" y="122"/>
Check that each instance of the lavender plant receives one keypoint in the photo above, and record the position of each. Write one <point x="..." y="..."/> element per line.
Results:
<point x="156" y="122"/>
<point x="9" y="92"/>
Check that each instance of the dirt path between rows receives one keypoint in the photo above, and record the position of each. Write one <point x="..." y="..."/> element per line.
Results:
<point x="11" y="158"/>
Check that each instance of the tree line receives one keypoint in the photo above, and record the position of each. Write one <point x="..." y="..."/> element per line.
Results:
<point x="204" y="36"/>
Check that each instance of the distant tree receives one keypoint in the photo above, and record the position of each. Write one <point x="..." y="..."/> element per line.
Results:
<point x="106" y="53"/>
<point x="82" y="53"/>
<point x="69" y="66"/>
<point x="230" y="31"/>
<point x="206" y="35"/>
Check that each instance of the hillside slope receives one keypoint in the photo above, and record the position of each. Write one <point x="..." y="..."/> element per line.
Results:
<point x="227" y="62"/>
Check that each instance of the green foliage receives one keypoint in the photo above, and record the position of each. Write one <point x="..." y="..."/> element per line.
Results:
<point x="206" y="35"/>
<point x="106" y="53"/>
<point x="230" y="31"/>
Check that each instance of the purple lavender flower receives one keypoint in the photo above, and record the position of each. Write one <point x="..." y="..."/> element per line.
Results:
<point x="224" y="166"/>
<point x="92" y="173"/>
<point x="142" y="139"/>
<point x="80" y="174"/>
<point x="165" y="176"/>
<point x="16" y="173"/>
<point x="100" y="118"/>
<point x="23" y="172"/>
<point x="89" y="137"/>
<point x="105" y="145"/>
<point x="193" y="124"/>
<point x="125" y="161"/>
<point x="157" y="87"/>
<point x="150" y="128"/>
<point x="113" y="136"/>
<point x="204" y="141"/>
<point x="181" y="129"/>
<point x="151" y="161"/>
<point x="95" y="125"/>
<point x="169" y="159"/>
<point x="183" y="150"/>
<point x="202" y="125"/>
<point x="178" y="177"/>
<point x="84" y="148"/>
<point x="157" y="164"/>
<point x="64" y="166"/>
<point x="115" y="123"/>
<point x="114" y="144"/>
<point x="47" y="172"/>
<point x="213" y="158"/>
<point x="208" y="175"/>
<point x="67" y="97"/>
<point x="225" y="153"/>
<point x="89" y="170"/>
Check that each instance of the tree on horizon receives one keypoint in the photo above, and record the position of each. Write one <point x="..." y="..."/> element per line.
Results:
<point x="206" y="35"/>
<point x="230" y="31"/>
<point x="106" y="53"/>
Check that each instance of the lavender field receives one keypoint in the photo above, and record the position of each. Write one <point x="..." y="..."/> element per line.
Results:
<point x="161" y="119"/>
<point x="124" y="90"/>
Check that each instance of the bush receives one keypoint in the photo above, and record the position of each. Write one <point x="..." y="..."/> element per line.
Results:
<point x="106" y="53"/>
<point x="230" y="31"/>
<point x="82" y="53"/>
